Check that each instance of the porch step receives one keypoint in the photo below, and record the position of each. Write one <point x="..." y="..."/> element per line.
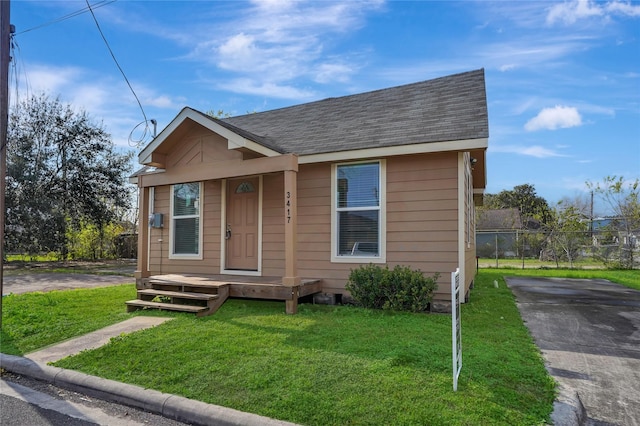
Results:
<point x="177" y="294"/>
<point x="203" y="301"/>
<point x="133" y="304"/>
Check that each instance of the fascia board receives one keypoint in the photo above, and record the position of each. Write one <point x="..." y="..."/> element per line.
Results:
<point x="422" y="148"/>
<point x="235" y="141"/>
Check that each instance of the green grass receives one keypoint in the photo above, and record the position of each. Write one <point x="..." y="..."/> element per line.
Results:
<point x="626" y="277"/>
<point x="326" y="365"/>
<point x="35" y="320"/>
<point x="516" y="262"/>
<point x="31" y="258"/>
<point x="335" y="365"/>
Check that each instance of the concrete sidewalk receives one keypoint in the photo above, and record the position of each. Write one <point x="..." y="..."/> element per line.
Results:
<point x="93" y="340"/>
<point x="171" y="406"/>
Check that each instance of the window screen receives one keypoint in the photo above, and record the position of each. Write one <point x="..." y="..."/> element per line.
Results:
<point x="358" y="209"/>
<point x="186" y="219"/>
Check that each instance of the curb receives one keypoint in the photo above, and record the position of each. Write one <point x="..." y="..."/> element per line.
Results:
<point x="167" y="405"/>
<point x="568" y="409"/>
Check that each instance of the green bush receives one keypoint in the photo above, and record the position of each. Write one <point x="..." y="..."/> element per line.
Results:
<point x="399" y="289"/>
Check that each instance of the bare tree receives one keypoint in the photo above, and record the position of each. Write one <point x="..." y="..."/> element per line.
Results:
<point x="622" y="198"/>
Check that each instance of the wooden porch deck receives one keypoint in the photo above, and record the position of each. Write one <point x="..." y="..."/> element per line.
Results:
<point x="204" y="294"/>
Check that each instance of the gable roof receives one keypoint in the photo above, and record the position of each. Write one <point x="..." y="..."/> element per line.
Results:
<point x="443" y="114"/>
<point x="444" y="109"/>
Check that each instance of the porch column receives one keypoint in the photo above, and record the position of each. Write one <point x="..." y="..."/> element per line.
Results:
<point x="142" y="269"/>
<point x="291" y="277"/>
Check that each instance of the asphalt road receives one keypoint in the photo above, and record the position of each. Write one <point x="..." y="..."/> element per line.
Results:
<point x="589" y="334"/>
<point x="25" y="401"/>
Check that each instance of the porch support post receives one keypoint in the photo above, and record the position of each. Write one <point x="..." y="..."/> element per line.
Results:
<point x="291" y="277"/>
<point x="142" y="269"/>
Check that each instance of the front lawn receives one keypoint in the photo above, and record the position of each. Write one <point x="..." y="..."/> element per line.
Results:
<point x="34" y="320"/>
<point x="336" y="365"/>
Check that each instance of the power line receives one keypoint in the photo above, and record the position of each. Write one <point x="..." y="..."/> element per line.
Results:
<point x="70" y="15"/>
<point x="117" y="64"/>
<point x="18" y="67"/>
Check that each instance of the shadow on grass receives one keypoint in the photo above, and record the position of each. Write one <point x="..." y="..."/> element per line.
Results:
<point x="7" y="345"/>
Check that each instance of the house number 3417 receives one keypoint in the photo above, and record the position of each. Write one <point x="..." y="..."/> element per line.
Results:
<point x="288" y="207"/>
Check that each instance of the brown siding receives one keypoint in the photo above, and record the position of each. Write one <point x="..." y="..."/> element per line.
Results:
<point x="422" y="227"/>
<point x="159" y="262"/>
<point x="200" y="147"/>
<point x="422" y="223"/>
<point x="422" y="219"/>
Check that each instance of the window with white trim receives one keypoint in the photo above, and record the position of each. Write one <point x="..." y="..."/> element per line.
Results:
<point x="468" y="190"/>
<point x="358" y="212"/>
<point x="186" y="226"/>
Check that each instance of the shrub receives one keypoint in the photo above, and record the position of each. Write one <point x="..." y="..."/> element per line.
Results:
<point x="400" y="289"/>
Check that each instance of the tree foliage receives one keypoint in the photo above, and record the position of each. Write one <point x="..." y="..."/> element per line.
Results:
<point x="62" y="171"/>
<point x="524" y="198"/>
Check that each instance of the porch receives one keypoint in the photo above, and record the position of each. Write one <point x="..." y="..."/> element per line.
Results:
<point x="204" y="294"/>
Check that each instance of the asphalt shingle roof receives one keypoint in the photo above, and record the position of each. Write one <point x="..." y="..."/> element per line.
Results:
<point x="443" y="109"/>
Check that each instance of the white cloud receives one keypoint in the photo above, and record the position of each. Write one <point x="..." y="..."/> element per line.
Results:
<point x="269" y="89"/>
<point x="275" y="42"/>
<point x="507" y="67"/>
<point x="530" y="151"/>
<point x="106" y="100"/>
<point x="238" y="44"/>
<point x="623" y="8"/>
<point x="332" y="72"/>
<point x="554" y="118"/>
<point x="51" y="79"/>
<point x="573" y="11"/>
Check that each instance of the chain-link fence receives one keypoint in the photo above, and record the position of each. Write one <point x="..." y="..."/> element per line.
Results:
<point x="536" y="249"/>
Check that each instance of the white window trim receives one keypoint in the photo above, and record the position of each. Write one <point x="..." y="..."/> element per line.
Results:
<point x="382" y="224"/>
<point x="468" y="188"/>
<point x="152" y="207"/>
<point x="223" y="229"/>
<point x="198" y="256"/>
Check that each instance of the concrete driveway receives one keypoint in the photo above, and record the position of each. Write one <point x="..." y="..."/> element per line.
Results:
<point x="589" y="334"/>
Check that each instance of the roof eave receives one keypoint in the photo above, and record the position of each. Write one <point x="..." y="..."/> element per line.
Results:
<point x="234" y="140"/>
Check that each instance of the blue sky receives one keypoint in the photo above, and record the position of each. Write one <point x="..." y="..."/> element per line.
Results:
<point x="563" y="78"/>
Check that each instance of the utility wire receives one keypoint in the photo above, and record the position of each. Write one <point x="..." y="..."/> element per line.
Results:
<point x="70" y="15"/>
<point x="18" y="67"/>
<point x="117" y="64"/>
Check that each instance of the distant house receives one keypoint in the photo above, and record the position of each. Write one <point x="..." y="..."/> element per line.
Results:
<point x="613" y="230"/>
<point x="284" y="203"/>
<point x="497" y="230"/>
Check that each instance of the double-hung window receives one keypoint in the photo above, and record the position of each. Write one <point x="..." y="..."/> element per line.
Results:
<point x="186" y="223"/>
<point x="358" y="212"/>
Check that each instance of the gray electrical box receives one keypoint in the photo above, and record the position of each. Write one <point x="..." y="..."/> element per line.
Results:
<point x="156" y="220"/>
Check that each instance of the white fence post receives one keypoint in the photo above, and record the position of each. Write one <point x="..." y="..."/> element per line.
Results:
<point x="456" y="339"/>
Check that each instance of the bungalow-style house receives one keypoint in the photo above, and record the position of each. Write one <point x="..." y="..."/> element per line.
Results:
<point x="284" y="203"/>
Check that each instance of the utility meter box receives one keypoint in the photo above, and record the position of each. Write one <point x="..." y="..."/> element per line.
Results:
<point x="156" y="220"/>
